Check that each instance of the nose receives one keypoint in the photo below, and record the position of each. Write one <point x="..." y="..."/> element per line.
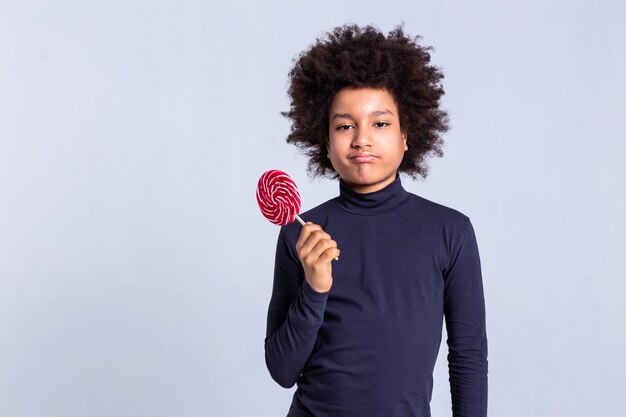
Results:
<point x="361" y="139"/>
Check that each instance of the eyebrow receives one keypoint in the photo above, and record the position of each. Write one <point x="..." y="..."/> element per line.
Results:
<point x="349" y="116"/>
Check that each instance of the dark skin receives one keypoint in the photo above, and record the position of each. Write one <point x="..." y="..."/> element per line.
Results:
<point x="353" y="56"/>
<point x="316" y="250"/>
<point x="396" y="64"/>
<point x="363" y="128"/>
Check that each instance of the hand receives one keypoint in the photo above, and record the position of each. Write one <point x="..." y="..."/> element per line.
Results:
<point x="316" y="250"/>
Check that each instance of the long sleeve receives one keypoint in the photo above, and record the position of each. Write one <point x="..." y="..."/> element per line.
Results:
<point x="465" y="323"/>
<point x="295" y="314"/>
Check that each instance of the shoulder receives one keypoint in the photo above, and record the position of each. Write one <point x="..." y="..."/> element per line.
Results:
<point x="437" y="212"/>
<point x="445" y="224"/>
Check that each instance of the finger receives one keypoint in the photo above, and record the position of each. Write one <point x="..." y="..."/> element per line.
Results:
<point x="313" y="240"/>
<point x="321" y="247"/>
<point x="306" y="231"/>
<point x="330" y="254"/>
<point x="315" y="259"/>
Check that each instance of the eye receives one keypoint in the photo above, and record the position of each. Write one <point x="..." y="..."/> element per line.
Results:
<point x="343" y="127"/>
<point x="381" y="124"/>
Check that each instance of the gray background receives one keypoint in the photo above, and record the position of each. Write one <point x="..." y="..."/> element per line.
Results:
<point x="136" y="269"/>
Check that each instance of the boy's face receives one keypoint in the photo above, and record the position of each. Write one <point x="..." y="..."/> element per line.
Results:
<point x="365" y="143"/>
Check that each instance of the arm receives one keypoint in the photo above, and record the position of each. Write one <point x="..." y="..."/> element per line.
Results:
<point x="464" y="307"/>
<point x="295" y="314"/>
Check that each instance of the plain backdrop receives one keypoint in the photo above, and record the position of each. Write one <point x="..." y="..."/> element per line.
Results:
<point x="136" y="269"/>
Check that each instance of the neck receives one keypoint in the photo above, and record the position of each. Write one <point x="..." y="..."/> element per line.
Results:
<point x="370" y="188"/>
<point x="371" y="203"/>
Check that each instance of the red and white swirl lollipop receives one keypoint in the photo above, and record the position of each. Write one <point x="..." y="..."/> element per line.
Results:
<point x="278" y="197"/>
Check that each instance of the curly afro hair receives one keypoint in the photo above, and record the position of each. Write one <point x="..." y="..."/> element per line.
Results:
<point x="353" y="56"/>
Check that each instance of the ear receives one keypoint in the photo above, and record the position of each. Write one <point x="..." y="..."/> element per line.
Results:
<point x="406" y="147"/>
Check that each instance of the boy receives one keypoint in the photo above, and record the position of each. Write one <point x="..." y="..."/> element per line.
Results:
<point x="360" y="336"/>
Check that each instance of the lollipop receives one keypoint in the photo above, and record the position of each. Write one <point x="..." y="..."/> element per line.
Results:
<point x="278" y="198"/>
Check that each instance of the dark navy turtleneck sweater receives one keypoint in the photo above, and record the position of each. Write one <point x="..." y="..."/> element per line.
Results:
<point x="368" y="346"/>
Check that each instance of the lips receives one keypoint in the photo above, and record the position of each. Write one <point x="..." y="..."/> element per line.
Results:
<point x="362" y="157"/>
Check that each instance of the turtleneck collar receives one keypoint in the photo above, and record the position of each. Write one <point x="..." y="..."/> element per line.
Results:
<point x="377" y="202"/>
